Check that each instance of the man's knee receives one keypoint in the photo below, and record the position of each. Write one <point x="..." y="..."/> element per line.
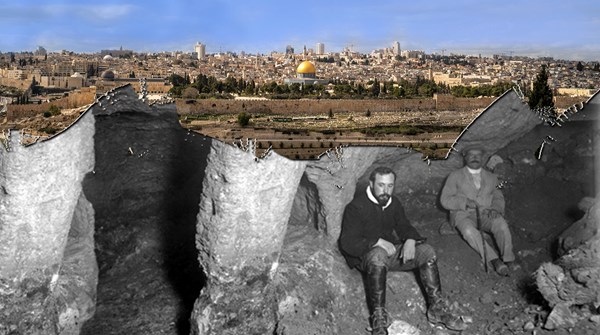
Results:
<point x="469" y="232"/>
<point x="424" y="253"/>
<point x="499" y="225"/>
<point x="375" y="257"/>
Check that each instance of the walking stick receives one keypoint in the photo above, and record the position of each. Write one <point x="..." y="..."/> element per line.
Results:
<point x="485" y="263"/>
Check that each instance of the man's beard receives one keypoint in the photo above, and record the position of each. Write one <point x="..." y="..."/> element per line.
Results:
<point x="383" y="199"/>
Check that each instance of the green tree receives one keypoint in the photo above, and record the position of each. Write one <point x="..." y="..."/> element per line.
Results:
<point x="190" y="93"/>
<point x="52" y="111"/>
<point x="177" y="80"/>
<point x="541" y="94"/>
<point x="375" y="89"/>
<point x="579" y="66"/>
<point x="243" y="119"/>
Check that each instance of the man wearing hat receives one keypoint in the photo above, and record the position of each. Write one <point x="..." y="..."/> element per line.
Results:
<point x="476" y="205"/>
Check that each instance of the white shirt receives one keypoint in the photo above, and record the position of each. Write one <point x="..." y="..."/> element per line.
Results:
<point x="476" y="173"/>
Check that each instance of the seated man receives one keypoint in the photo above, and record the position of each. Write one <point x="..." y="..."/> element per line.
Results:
<point x="472" y="189"/>
<point x="376" y="237"/>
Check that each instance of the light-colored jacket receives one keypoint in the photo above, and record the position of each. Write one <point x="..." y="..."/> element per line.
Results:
<point x="460" y="186"/>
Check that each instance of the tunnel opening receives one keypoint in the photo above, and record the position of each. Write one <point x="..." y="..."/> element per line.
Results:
<point x="307" y="207"/>
<point x="145" y="189"/>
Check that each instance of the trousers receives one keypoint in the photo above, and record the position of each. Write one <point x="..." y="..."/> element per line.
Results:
<point x="379" y="257"/>
<point x="466" y="223"/>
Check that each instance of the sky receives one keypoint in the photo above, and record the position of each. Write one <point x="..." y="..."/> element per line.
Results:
<point x="537" y="28"/>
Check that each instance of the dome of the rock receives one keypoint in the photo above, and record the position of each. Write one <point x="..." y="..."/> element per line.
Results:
<point x="306" y="67"/>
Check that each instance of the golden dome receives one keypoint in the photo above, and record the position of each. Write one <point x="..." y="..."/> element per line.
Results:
<point x="306" y="67"/>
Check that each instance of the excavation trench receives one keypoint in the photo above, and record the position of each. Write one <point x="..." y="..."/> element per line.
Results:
<point x="145" y="190"/>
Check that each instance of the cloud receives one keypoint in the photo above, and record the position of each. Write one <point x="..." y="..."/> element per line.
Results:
<point x="24" y="13"/>
<point x="103" y="13"/>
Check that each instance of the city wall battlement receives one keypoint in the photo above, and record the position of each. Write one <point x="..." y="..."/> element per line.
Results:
<point x="323" y="106"/>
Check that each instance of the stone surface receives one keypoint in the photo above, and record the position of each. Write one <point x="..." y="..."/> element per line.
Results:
<point x="505" y="120"/>
<point x="399" y="327"/>
<point x="40" y="188"/>
<point x="78" y="278"/>
<point x="560" y="317"/>
<point x="574" y="279"/>
<point x="244" y="210"/>
<point x="147" y="166"/>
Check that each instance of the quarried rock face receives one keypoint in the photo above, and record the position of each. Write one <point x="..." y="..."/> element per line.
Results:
<point x="78" y="278"/>
<point x="244" y="211"/>
<point x="574" y="279"/>
<point x="504" y="121"/>
<point x="40" y="186"/>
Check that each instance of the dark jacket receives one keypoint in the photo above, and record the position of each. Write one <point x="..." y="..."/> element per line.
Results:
<point x="365" y="222"/>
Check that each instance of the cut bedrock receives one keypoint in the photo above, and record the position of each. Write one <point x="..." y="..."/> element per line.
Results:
<point x="40" y="192"/>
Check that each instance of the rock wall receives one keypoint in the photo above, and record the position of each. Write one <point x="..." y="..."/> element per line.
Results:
<point x="82" y="97"/>
<point x="40" y="188"/>
<point x="78" y="278"/>
<point x="574" y="278"/>
<point x="145" y="190"/>
<point x="244" y="210"/>
<point x="334" y="176"/>
<point x="147" y="167"/>
<point x="504" y="121"/>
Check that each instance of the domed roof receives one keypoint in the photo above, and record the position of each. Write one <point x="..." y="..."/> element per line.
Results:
<point x="306" y="67"/>
<point x="107" y="57"/>
<point x="108" y="75"/>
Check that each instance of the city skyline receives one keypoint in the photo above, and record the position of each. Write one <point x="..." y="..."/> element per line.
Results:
<point x="535" y="28"/>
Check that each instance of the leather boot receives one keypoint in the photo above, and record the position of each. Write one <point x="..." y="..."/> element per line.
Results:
<point x="376" y="284"/>
<point x="438" y="311"/>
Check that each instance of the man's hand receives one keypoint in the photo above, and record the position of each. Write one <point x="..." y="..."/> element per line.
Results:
<point x="408" y="250"/>
<point x="471" y="203"/>
<point x="492" y="213"/>
<point x="387" y="246"/>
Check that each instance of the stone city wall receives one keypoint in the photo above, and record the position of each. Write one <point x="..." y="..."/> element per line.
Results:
<point x="17" y="83"/>
<point x="152" y="87"/>
<point x="82" y="97"/>
<point x="446" y="102"/>
<point x="323" y="106"/>
<point x="562" y="102"/>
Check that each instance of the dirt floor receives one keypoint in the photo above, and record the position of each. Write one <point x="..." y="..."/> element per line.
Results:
<point x="141" y="293"/>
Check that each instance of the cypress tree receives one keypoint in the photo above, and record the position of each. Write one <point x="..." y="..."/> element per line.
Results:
<point x="541" y="94"/>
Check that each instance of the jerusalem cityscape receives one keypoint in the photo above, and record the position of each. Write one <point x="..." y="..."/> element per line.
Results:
<point x="297" y="102"/>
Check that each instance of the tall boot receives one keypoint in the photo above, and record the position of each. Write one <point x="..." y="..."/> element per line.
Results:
<point x="376" y="284"/>
<point x="438" y="311"/>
